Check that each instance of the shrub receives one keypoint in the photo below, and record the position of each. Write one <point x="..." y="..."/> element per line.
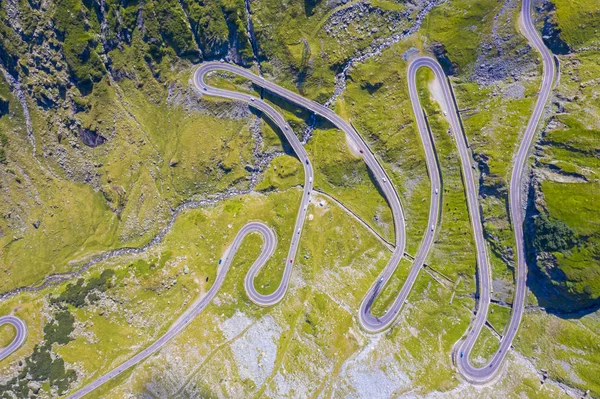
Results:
<point x="58" y="331"/>
<point x="552" y="235"/>
<point x="76" y="294"/>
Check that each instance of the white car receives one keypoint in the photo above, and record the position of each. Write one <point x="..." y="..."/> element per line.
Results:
<point x="251" y="98"/>
<point x="384" y="180"/>
<point x="432" y="227"/>
<point x="445" y="113"/>
<point x="436" y="190"/>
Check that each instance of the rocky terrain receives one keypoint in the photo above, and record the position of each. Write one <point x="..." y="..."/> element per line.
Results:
<point x="121" y="186"/>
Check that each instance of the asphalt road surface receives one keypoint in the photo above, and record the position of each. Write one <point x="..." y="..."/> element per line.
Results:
<point x="20" y="337"/>
<point x="269" y="239"/>
<point x="367" y="320"/>
<point x="257" y="227"/>
<point x="461" y="355"/>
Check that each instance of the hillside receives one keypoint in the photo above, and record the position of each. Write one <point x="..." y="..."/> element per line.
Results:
<point x="123" y="185"/>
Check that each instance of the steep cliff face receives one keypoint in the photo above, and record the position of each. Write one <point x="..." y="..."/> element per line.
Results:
<point x="563" y="224"/>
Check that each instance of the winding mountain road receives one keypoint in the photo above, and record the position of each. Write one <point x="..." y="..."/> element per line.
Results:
<point x="368" y="321"/>
<point x="461" y="355"/>
<point x="20" y="337"/>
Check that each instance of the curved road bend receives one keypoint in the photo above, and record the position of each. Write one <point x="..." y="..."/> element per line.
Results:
<point x="487" y="372"/>
<point x="368" y="322"/>
<point x="469" y="181"/>
<point x="268" y="235"/>
<point x="20" y="337"/>
<point x="268" y="248"/>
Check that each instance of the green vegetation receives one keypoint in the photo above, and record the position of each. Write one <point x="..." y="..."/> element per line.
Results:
<point x="7" y="335"/>
<point x="59" y="329"/>
<point x="79" y="43"/>
<point x="43" y="368"/>
<point x="461" y="26"/>
<point x="3" y="144"/>
<point x="553" y="343"/>
<point x="344" y="175"/>
<point x="393" y="138"/>
<point x="283" y="173"/>
<point x="311" y="47"/>
<point x="552" y="235"/>
<point x="486" y="345"/>
<point x="120" y="70"/>
<point x="77" y="294"/>
<point x="579" y="21"/>
<point x="567" y="231"/>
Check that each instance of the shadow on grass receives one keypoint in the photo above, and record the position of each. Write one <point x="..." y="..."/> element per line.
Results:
<point x="547" y="286"/>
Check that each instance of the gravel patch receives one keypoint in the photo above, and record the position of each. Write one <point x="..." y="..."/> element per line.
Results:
<point x="235" y="325"/>
<point x="255" y="351"/>
<point x="372" y="376"/>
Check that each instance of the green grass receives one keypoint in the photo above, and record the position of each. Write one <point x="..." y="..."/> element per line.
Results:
<point x="312" y="66"/>
<point x="461" y="26"/>
<point x="137" y="185"/>
<point x="575" y="204"/>
<point x="345" y="176"/>
<point x="394" y="139"/>
<point x="7" y="335"/>
<point x="347" y="249"/>
<point x="568" y="349"/>
<point x="283" y="173"/>
<point x="498" y="317"/>
<point x="453" y="252"/>
<point x="338" y="171"/>
<point x="485" y="346"/>
<point x="578" y="22"/>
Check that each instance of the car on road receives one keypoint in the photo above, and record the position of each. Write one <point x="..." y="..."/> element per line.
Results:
<point x="361" y="151"/>
<point x="307" y="161"/>
<point x="220" y="260"/>
<point x="384" y="180"/>
<point x="251" y="98"/>
<point x="432" y="227"/>
<point x="298" y="231"/>
<point x="445" y="113"/>
<point x="291" y="260"/>
<point x="436" y="190"/>
<point x="462" y="354"/>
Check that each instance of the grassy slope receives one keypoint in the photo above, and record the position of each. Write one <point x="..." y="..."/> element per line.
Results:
<point x="78" y="221"/>
<point x="571" y="149"/>
<point x="321" y="302"/>
<point x="566" y="347"/>
<point x="578" y="22"/>
<point x="312" y="66"/>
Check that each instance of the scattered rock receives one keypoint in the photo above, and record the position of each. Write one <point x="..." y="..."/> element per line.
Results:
<point x="91" y="138"/>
